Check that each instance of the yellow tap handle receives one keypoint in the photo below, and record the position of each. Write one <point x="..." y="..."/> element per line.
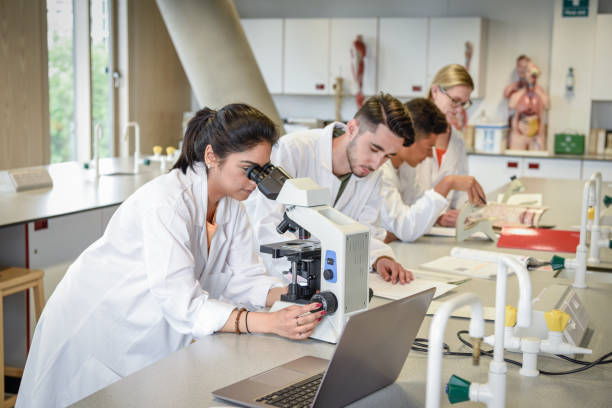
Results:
<point x="170" y="150"/>
<point x="591" y="213"/>
<point x="556" y="320"/>
<point x="510" y="316"/>
<point x="157" y="150"/>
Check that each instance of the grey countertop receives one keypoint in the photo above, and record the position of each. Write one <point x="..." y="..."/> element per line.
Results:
<point x="515" y="153"/>
<point x="187" y="378"/>
<point x="74" y="189"/>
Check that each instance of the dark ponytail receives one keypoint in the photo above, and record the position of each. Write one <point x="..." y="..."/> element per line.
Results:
<point x="234" y="128"/>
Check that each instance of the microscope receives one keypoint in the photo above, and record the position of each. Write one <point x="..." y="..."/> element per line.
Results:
<point x="333" y="269"/>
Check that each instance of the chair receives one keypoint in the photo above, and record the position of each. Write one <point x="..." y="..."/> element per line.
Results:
<point x="13" y="280"/>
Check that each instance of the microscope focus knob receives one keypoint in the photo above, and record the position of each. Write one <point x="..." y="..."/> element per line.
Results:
<point x="328" y="274"/>
<point x="327" y="299"/>
<point x="556" y="320"/>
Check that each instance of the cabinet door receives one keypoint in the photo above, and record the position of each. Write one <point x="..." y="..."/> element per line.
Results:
<point x="552" y="168"/>
<point x="448" y="44"/>
<point x="492" y="172"/>
<point x="62" y="239"/>
<point x="402" y="56"/>
<point x="602" y="81"/>
<point x="591" y="166"/>
<point x="343" y="32"/>
<point x="265" y="36"/>
<point x="306" y="56"/>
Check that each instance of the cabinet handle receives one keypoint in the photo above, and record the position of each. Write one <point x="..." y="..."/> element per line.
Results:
<point x="534" y="166"/>
<point x="41" y="224"/>
<point x="512" y="165"/>
<point x="319" y="87"/>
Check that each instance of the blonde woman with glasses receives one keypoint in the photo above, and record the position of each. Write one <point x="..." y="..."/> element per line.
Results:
<point x="450" y="92"/>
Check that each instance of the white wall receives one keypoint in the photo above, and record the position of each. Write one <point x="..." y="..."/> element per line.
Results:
<point x="514" y="27"/>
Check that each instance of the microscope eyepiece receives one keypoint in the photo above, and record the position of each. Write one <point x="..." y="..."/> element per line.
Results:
<point x="269" y="178"/>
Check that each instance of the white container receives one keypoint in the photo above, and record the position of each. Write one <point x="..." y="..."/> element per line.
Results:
<point x="490" y="137"/>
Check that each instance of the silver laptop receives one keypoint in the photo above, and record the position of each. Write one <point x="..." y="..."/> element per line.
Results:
<point x="369" y="356"/>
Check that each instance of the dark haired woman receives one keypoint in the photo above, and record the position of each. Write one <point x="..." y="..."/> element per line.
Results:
<point x="173" y="265"/>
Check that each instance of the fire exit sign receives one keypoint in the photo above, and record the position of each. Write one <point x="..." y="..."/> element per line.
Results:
<point x="575" y="8"/>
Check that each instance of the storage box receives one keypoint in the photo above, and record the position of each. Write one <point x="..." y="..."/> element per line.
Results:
<point x="569" y="143"/>
<point x="491" y="137"/>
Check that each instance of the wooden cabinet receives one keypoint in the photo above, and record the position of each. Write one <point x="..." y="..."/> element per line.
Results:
<point x="306" y="56"/>
<point x="402" y="56"/>
<point x="343" y="32"/>
<point x="265" y="36"/>
<point x="602" y="80"/>
<point x="450" y="40"/>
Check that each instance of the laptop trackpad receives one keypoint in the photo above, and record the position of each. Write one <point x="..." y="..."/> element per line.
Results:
<point x="279" y="377"/>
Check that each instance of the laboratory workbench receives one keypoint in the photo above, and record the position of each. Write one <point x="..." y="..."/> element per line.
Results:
<point x="48" y="228"/>
<point x="187" y="378"/>
<point x="545" y="155"/>
<point x="75" y="189"/>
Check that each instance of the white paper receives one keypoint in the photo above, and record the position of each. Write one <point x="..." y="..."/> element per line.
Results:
<point x="387" y="290"/>
<point x="463" y="267"/>
<point x="451" y="232"/>
<point x="522" y="199"/>
<point x="465" y="311"/>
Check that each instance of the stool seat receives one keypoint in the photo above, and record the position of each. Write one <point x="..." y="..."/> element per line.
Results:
<point x="14" y="280"/>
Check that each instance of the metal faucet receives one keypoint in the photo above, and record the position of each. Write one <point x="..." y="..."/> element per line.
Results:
<point x="136" y="143"/>
<point x="98" y="132"/>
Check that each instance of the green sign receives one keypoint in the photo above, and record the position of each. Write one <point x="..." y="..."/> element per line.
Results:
<point x="575" y="8"/>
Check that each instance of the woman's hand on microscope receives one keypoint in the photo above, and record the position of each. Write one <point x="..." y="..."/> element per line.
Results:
<point x="391" y="271"/>
<point x="296" y="322"/>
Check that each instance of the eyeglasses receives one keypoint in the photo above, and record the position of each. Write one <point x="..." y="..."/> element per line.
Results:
<point x="465" y="105"/>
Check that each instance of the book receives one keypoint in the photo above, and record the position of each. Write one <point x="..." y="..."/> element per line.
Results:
<point x="539" y="239"/>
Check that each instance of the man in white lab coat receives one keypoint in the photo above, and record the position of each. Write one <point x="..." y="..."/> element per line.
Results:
<point x="346" y="159"/>
<point x="404" y="216"/>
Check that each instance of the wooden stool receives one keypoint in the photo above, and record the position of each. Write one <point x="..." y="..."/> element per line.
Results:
<point x="13" y="280"/>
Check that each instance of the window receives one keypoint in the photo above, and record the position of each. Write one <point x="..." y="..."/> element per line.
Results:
<point x="61" y="80"/>
<point x="101" y="86"/>
<point x="66" y="89"/>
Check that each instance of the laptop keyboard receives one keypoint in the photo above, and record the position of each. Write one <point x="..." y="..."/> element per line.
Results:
<point x="294" y="396"/>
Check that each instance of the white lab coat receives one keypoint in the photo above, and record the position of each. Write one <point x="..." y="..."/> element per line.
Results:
<point x="308" y="153"/>
<point x="145" y="289"/>
<point x="454" y="161"/>
<point x="407" y="221"/>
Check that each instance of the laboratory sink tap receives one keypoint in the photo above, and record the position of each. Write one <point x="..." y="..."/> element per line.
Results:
<point x="578" y="264"/>
<point x="136" y="142"/>
<point x="597" y="232"/>
<point x="97" y="136"/>
<point x="436" y="337"/>
<point x="556" y="321"/>
<point x="493" y="394"/>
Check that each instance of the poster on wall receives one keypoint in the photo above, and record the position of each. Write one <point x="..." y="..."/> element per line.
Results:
<point x="575" y="8"/>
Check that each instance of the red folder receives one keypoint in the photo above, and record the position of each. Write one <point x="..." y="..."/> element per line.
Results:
<point x="539" y="239"/>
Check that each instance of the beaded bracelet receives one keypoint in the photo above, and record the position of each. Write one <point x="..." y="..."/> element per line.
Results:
<point x="240" y="311"/>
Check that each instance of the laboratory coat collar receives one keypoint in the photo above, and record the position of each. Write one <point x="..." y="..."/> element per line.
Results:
<point x="198" y="178"/>
<point x="325" y="144"/>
